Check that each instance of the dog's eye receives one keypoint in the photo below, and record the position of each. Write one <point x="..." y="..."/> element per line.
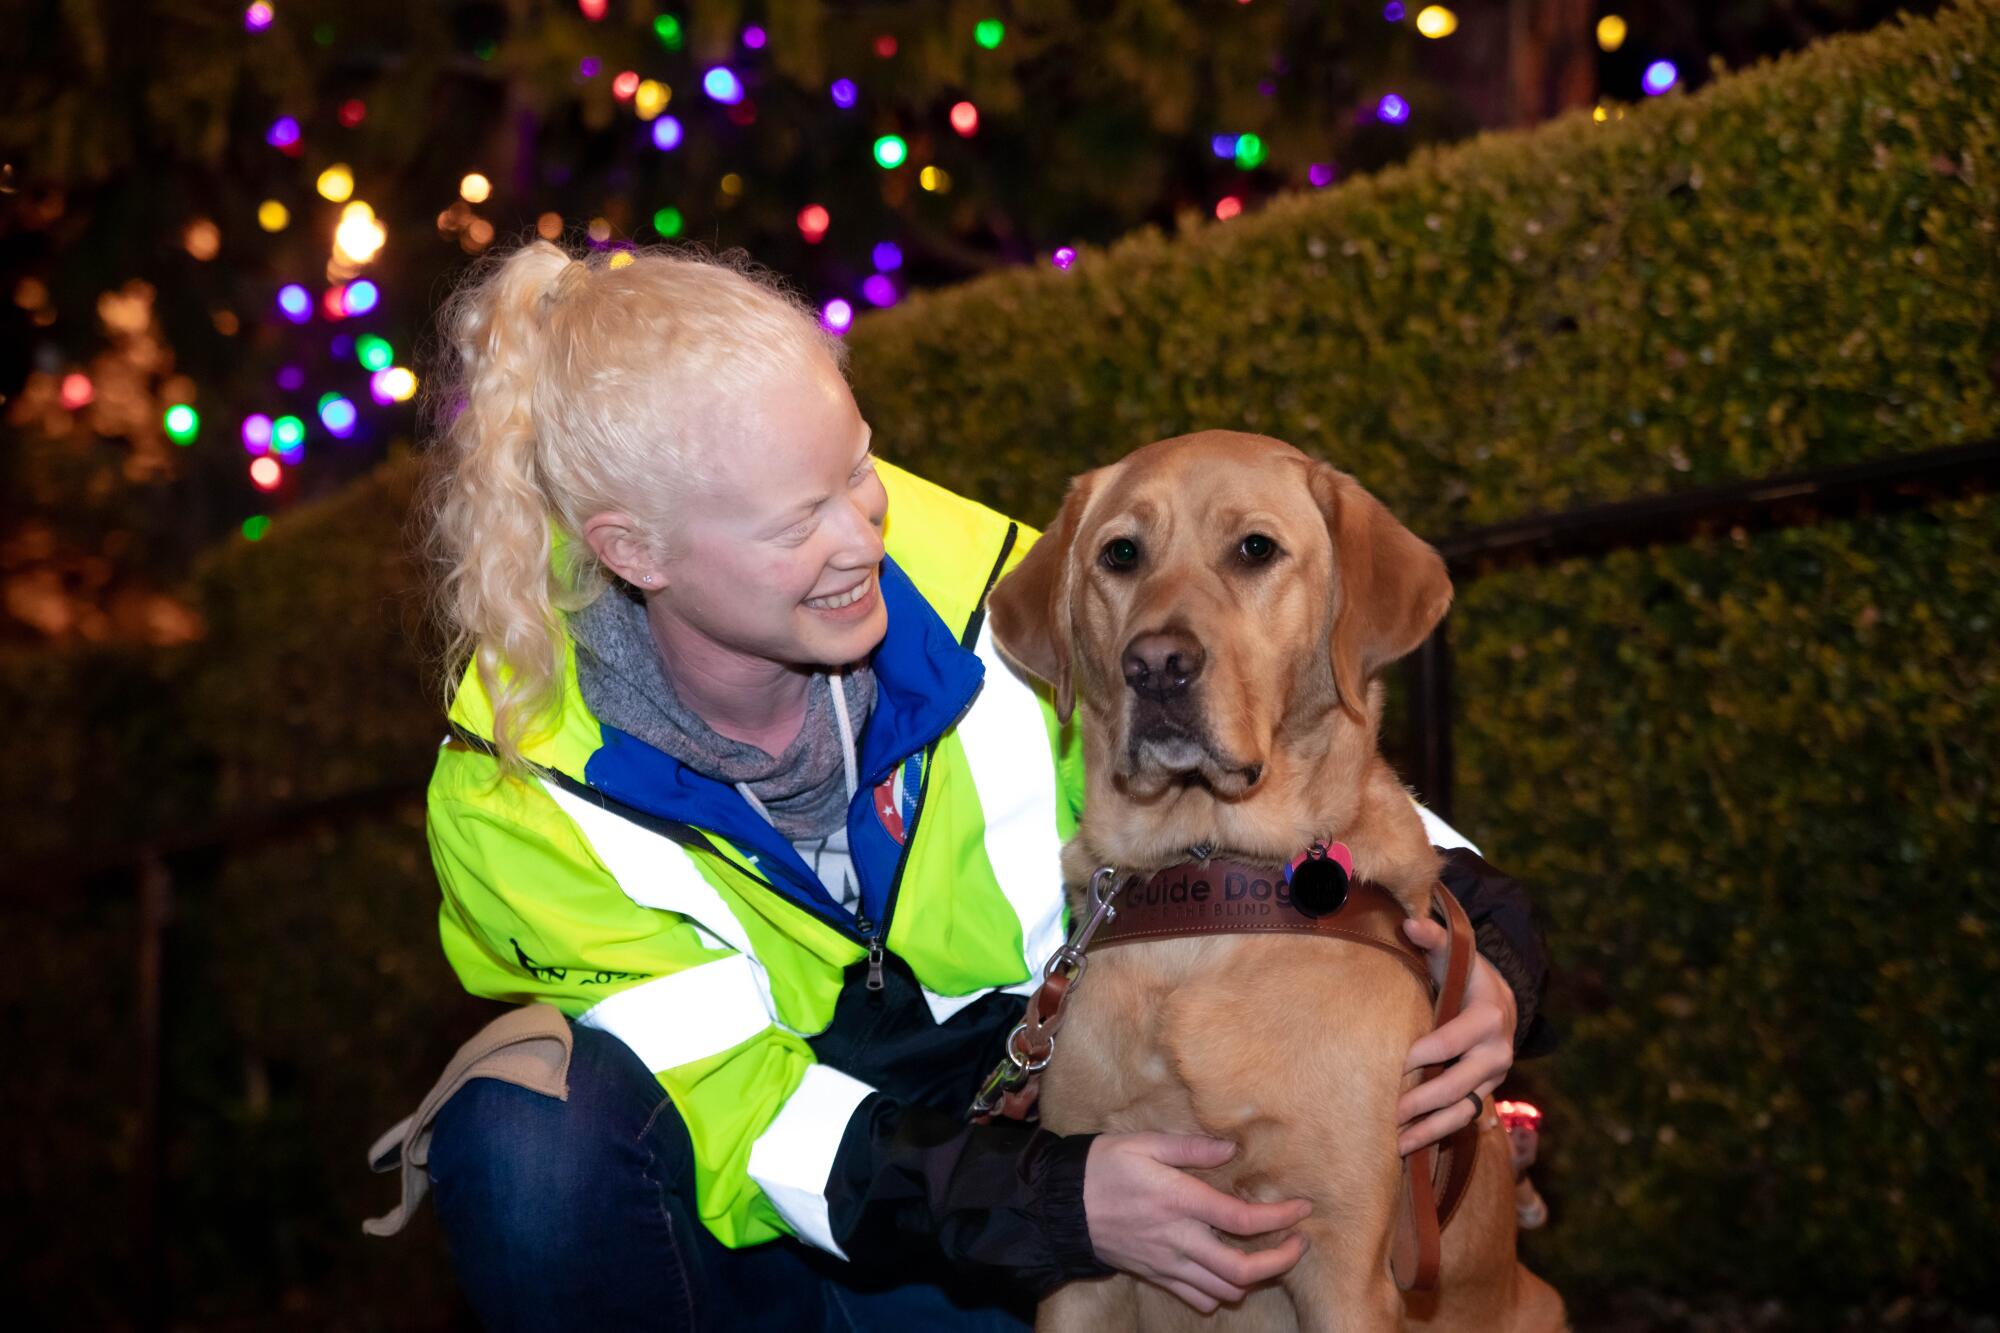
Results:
<point x="1257" y="548"/>
<point x="1120" y="553"/>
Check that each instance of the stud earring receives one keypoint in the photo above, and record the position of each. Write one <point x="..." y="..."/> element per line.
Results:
<point x="649" y="578"/>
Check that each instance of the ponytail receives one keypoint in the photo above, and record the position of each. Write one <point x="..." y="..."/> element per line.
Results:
<point x="489" y="532"/>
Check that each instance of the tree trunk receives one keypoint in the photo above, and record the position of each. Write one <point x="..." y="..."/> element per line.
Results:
<point x="1519" y="62"/>
<point x="1552" y="58"/>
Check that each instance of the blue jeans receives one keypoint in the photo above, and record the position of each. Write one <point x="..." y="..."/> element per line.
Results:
<point x="581" y="1214"/>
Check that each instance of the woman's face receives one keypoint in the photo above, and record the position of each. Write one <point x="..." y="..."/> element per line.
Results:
<point x="778" y="559"/>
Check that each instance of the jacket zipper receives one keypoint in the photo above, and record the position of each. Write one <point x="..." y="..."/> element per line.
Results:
<point x="875" y="935"/>
<point x="874" y="953"/>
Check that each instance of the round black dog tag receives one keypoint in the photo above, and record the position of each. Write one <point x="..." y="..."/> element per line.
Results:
<point x="1319" y="886"/>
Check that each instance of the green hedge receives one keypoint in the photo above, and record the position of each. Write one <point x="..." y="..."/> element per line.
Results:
<point x="309" y="684"/>
<point x="318" y="684"/>
<point x="101" y="754"/>
<point x="1749" y="783"/>
<point x="1753" y="786"/>
<point x="307" y="1003"/>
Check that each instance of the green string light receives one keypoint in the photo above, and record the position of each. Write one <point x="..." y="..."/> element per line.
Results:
<point x="891" y="152"/>
<point x="373" y="352"/>
<point x="183" y="423"/>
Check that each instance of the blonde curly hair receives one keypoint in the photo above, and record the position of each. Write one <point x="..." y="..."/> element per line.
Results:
<point x="566" y="385"/>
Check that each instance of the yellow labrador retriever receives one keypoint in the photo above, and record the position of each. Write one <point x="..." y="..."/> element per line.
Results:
<point x="1218" y="607"/>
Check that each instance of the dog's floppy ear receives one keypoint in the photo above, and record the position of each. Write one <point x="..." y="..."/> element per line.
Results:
<point x="1392" y="585"/>
<point x="1029" y="608"/>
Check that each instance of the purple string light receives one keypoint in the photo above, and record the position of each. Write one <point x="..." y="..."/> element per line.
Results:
<point x="256" y="435"/>
<point x="879" y="290"/>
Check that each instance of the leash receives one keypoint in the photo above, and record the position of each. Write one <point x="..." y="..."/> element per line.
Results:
<point x="1315" y="895"/>
<point x="1009" y="1091"/>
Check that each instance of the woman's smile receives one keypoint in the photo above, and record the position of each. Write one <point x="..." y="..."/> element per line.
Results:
<point x="850" y="604"/>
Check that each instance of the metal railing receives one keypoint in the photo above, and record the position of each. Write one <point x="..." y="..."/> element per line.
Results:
<point x="151" y="867"/>
<point x="1793" y="500"/>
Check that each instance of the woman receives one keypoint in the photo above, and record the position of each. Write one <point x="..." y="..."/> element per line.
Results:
<point x="736" y="782"/>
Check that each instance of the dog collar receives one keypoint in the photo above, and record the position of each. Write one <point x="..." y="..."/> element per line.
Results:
<point x="1327" y="868"/>
<point x="1314" y="893"/>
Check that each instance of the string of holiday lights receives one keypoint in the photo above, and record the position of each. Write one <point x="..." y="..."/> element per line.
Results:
<point x="343" y="301"/>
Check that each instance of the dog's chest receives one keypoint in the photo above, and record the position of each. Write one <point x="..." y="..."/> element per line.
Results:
<point x="1137" y="1048"/>
<point x="1206" y="1033"/>
<point x="1115" y="1066"/>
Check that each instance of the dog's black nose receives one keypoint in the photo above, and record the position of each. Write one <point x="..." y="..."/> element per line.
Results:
<point x="1161" y="664"/>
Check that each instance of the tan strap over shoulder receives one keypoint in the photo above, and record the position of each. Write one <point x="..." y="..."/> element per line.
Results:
<point x="528" y="1047"/>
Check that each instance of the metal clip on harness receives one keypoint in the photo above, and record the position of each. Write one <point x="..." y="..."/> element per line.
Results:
<point x="1032" y="1043"/>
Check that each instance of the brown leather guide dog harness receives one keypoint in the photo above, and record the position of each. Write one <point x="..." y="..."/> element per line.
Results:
<point x="1315" y="895"/>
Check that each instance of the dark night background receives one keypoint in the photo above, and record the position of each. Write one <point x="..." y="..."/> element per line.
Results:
<point x="1740" y="750"/>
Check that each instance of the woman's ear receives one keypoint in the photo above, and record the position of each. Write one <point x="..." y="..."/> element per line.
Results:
<point x="615" y="539"/>
<point x="1390" y="585"/>
<point x="1029" y="609"/>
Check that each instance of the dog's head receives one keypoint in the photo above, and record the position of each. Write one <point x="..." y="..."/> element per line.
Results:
<point x="1210" y="598"/>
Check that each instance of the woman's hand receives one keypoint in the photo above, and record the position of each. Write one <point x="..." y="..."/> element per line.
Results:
<point x="1478" y="1044"/>
<point x="1153" y="1220"/>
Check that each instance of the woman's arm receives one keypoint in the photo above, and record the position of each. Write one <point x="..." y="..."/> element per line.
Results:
<point x="1502" y="1015"/>
<point x="1013" y="1202"/>
<point x="1503" y="921"/>
<point x="529" y="913"/>
<point x="913" y="1186"/>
